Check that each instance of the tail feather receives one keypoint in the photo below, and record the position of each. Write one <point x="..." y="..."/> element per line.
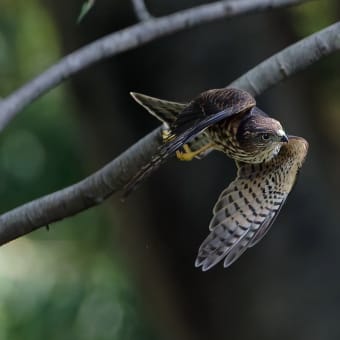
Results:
<point x="164" y="110"/>
<point x="142" y="174"/>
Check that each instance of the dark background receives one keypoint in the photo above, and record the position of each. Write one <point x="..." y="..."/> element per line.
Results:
<point x="125" y="271"/>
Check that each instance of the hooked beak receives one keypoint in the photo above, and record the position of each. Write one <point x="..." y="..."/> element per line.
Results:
<point x="284" y="139"/>
<point x="283" y="136"/>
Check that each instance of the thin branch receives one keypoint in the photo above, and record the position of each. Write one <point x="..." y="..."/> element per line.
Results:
<point x="141" y="10"/>
<point x="127" y="39"/>
<point x="111" y="178"/>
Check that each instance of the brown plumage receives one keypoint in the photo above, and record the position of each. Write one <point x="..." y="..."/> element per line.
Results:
<point x="247" y="208"/>
<point x="228" y="120"/>
<point x="221" y="119"/>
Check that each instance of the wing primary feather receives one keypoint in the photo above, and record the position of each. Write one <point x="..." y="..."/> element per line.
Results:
<point x="261" y="232"/>
<point x="238" y="250"/>
<point x="177" y="142"/>
<point x="164" y="110"/>
<point x="209" y="103"/>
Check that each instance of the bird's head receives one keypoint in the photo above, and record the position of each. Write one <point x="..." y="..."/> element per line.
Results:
<point x="261" y="135"/>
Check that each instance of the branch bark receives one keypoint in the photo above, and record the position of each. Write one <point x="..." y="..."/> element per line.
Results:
<point x="141" y="11"/>
<point x="127" y="39"/>
<point x="87" y="193"/>
<point x="112" y="177"/>
<point x="289" y="61"/>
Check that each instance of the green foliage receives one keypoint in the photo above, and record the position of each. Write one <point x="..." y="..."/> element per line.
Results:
<point x="313" y="16"/>
<point x="309" y="18"/>
<point x="62" y="283"/>
<point x="48" y="291"/>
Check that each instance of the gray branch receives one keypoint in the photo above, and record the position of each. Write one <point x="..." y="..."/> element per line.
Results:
<point x="141" y="11"/>
<point x="127" y="39"/>
<point x="80" y="196"/>
<point x="112" y="178"/>
<point x="290" y="60"/>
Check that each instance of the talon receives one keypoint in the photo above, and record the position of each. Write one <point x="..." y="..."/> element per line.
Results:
<point x="187" y="149"/>
<point x="185" y="156"/>
<point x="188" y="154"/>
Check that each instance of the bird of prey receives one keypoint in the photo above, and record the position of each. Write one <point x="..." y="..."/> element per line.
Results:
<point x="267" y="160"/>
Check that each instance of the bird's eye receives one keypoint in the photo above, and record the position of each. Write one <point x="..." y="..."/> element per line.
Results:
<point x="265" y="136"/>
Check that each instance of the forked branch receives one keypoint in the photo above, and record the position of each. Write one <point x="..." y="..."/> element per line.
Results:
<point x="141" y="11"/>
<point x="111" y="178"/>
<point x="126" y="39"/>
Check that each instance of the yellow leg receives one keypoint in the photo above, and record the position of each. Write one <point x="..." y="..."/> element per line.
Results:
<point x="189" y="155"/>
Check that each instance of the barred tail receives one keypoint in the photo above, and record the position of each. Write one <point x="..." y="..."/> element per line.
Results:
<point x="163" y="110"/>
<point x="162" y="155"/>
<point x="141" y="175"/>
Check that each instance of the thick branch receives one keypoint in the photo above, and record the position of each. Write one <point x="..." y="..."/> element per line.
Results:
<point x="80" y="196"/>
<point x="111" y="178"/>
<point x="124" y="40"/>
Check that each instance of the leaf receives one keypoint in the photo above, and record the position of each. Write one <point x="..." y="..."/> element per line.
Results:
<point x="85" y="9"/>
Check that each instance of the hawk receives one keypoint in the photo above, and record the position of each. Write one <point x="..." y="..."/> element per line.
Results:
<point x="267" y="160"/>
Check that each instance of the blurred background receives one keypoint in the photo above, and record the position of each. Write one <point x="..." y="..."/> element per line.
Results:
<point x="125" y="271"/>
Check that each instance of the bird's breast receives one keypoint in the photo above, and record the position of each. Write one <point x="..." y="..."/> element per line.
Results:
<point x="224" y="135"/>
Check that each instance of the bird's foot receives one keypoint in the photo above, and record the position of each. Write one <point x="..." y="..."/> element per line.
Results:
<point x="188" y="154"/>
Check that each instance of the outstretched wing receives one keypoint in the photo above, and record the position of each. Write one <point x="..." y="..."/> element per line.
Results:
<point x="206" y="110"/>
<point x="246" y="209"/>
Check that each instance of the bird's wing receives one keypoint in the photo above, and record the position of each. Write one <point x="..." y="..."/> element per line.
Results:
<point x="247" y="208"/>
<point x="164" y="110"/>
<point x="217" y="105"/>
<point x="210" y="103"/>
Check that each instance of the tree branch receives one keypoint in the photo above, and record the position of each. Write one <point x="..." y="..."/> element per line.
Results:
<point x="291" y="60"/>
<point x="141" y="11"/>
<point x="80" y="196"/>
<point x="112" y="177"/>
<point x="127" y="39"/>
